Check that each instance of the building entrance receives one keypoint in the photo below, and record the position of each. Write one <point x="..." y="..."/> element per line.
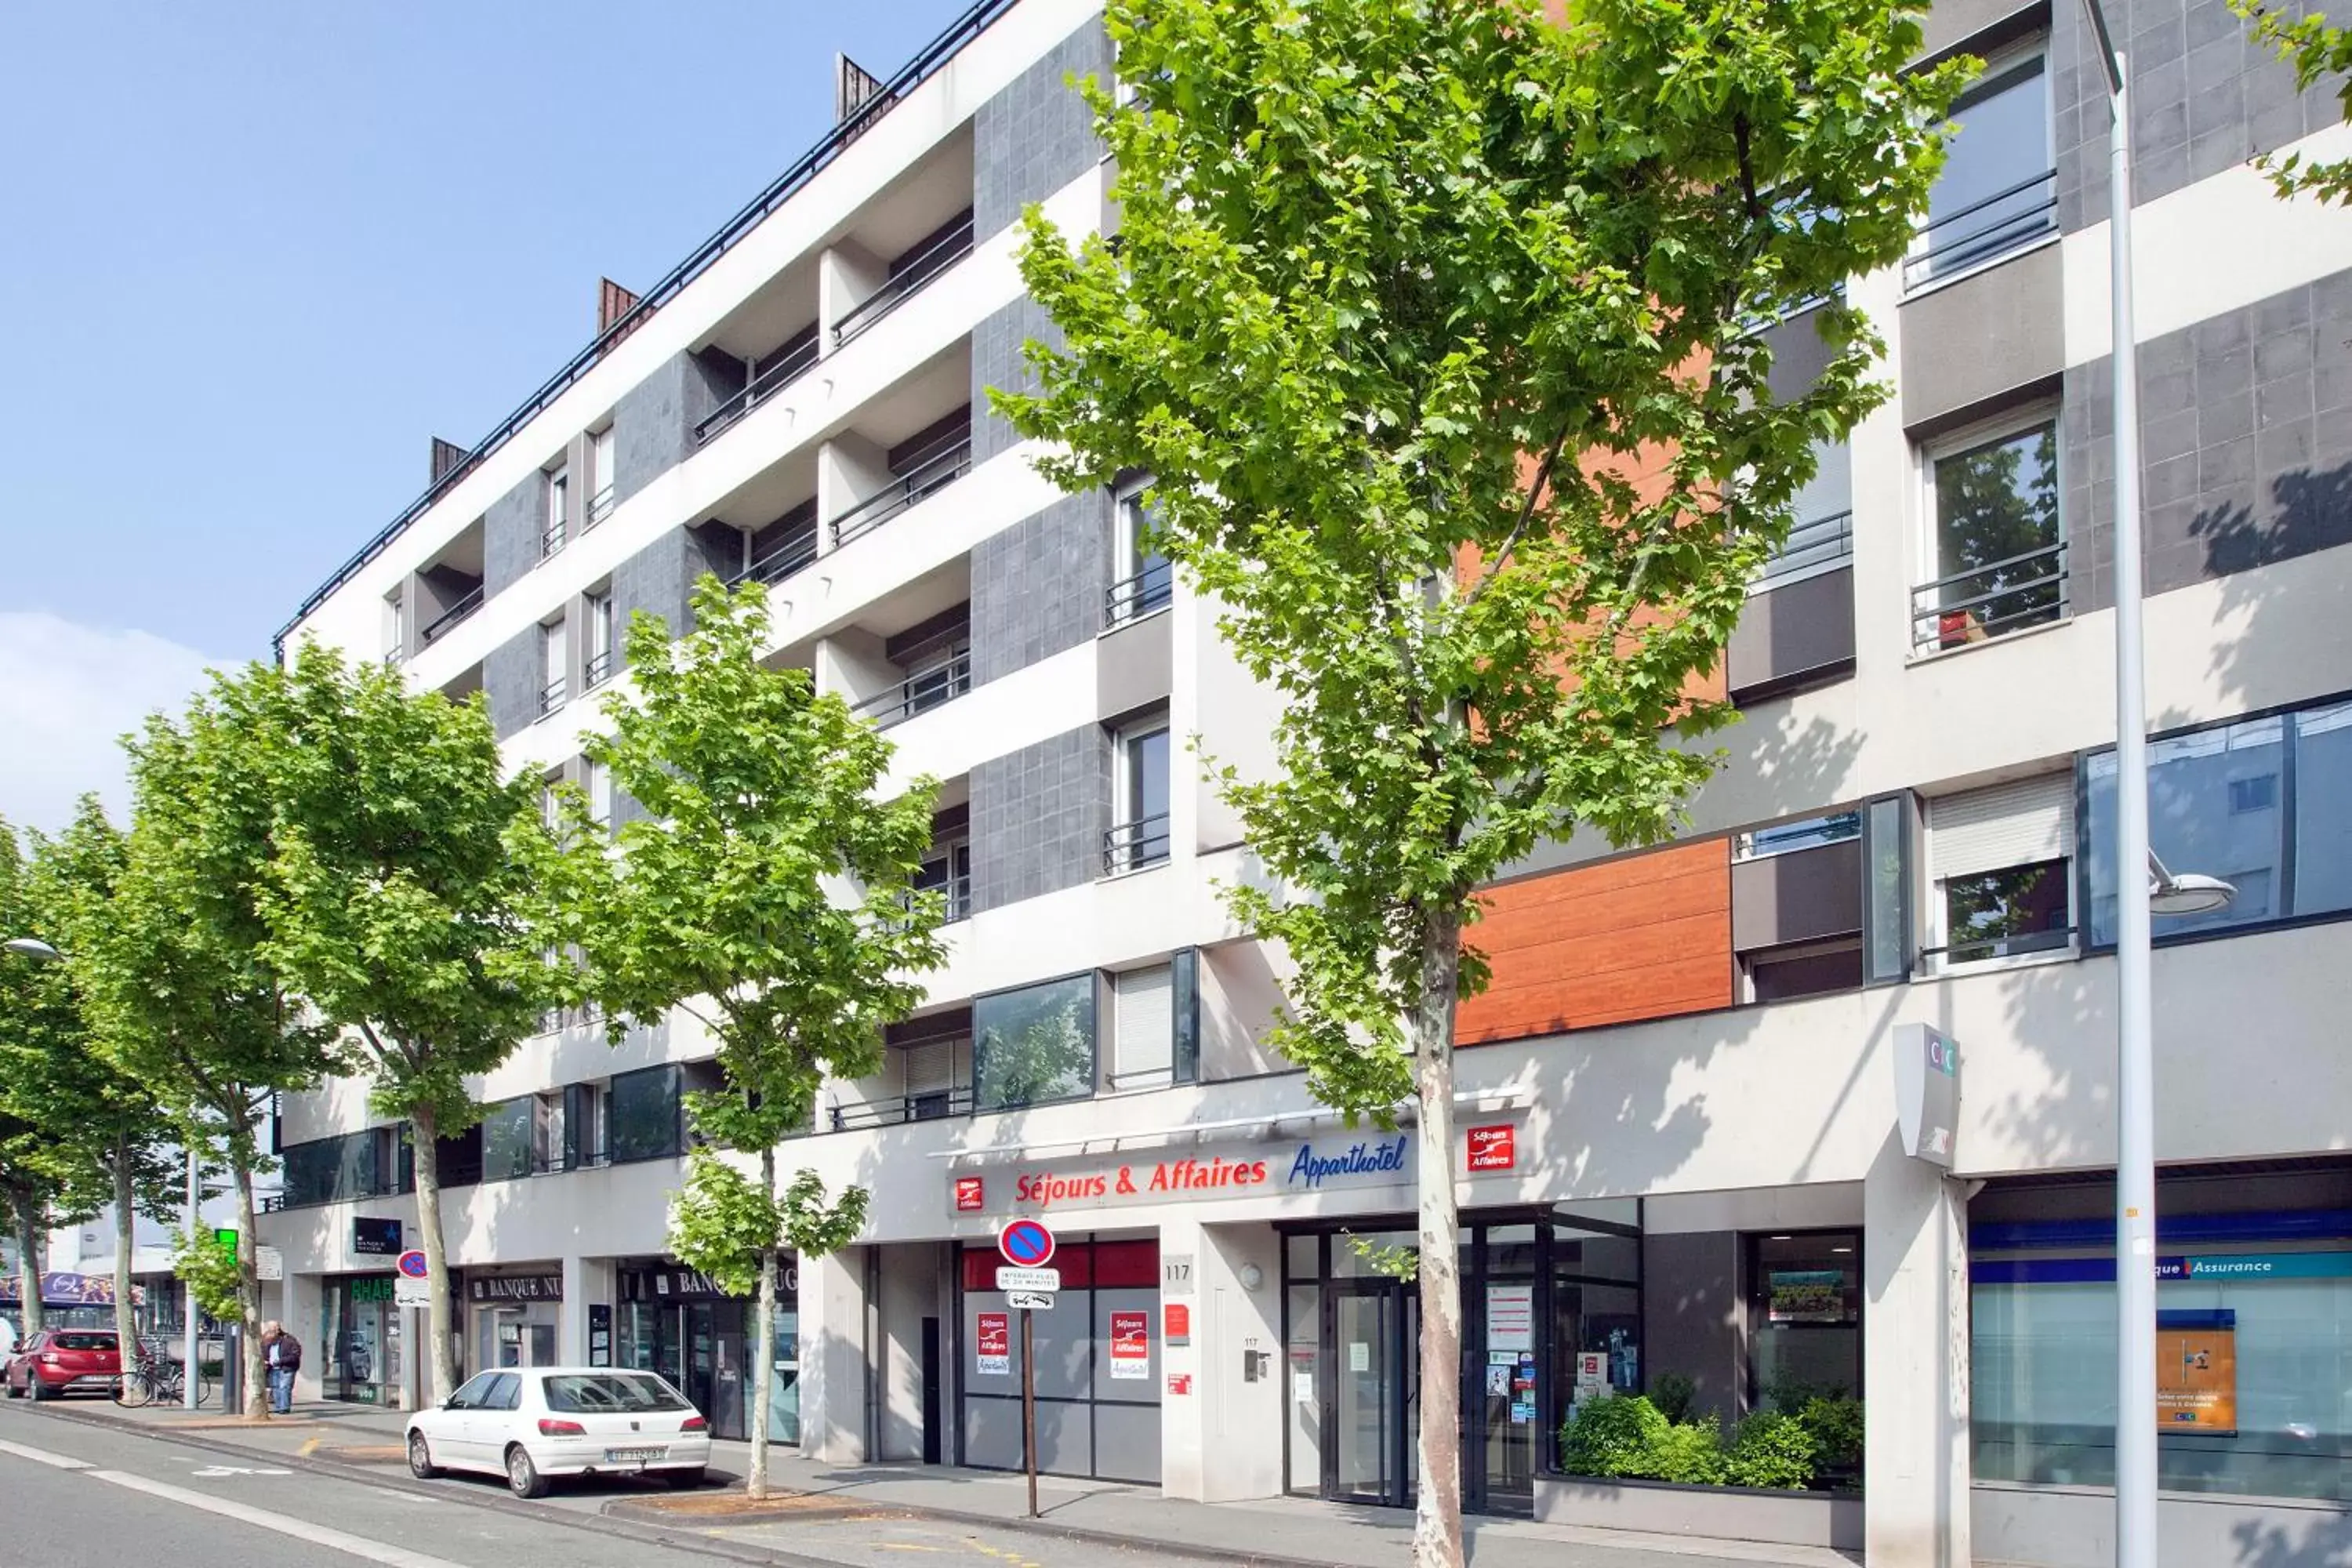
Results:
<point x="1371" y="1341"/>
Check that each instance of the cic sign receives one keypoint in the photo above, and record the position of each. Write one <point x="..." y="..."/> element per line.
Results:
<point x="1926" y="1092"/>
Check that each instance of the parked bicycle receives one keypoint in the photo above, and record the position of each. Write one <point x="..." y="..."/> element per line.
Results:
<point x="157" y="1379"/>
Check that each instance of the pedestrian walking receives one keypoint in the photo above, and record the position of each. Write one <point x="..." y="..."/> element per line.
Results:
<point x="281" y="1353"/>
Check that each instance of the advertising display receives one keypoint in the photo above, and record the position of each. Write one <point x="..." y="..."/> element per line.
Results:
<point x="1510" y="1317"/>
<point x="2197" y="1372"/>
<point x="994" y="1344"/>
<point x="1130" y="1345"/>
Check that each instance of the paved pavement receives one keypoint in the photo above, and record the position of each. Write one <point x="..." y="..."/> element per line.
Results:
<point x="858" y="1514"/>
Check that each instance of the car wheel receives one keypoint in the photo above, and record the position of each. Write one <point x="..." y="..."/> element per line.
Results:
<point x="523" y="1479"/>
<point x="35" y="1387"/>
<point x="420" y="1458"/>
<point x="684" y="1480"/>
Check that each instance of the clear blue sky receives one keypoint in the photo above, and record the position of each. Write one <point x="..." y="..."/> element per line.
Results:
<point x="255" y="255"/>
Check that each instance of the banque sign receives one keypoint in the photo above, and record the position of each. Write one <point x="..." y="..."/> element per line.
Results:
<point x="1262" y="1169"/>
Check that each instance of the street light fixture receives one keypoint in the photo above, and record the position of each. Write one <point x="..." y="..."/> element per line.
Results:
<point x="32" y="947"/>
<point x="2180" y="893"/>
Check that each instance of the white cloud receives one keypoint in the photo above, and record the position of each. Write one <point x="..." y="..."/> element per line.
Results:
<point x="68" y="693"/>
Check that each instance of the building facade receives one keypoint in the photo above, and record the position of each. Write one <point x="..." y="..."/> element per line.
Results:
<point x="1680" y="1150"/>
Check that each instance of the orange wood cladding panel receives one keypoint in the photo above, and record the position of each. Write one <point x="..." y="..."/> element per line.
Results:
<point x="1644" y="937"/>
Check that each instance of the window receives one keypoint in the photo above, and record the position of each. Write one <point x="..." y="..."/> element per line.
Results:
<point x="2263" y="803"/>
<point x="598" y="780"/>
<point x="602" y="494"/>
<point x="585" y="1106"/>
<point x="1146" y="581"/>
<point x="1886" y="890"/>
<point x="609" y="1393"/>
<point x="947" y="870"/>
<point x="2002" y="858"/>
<point x="551" y="665"/>
<point x="1820" y="531"/>
<point x="1804" y="969"/>
<point x="1034" y="1045"/>
<point x="597" y="661"/>
<point x="551" y="811"/>
<point x="507" y="1138"/>
<point x="474" y="1395"/>
<point x="554" y="530"/>
<point x="643" y="1115"/>
<point x="1139" y="836"/>
<point x="1143" y="1027"/>
<point x="395" y="626"/>
<point x="1806" y="832"/>
<point x="1998" y="190"/>
<point x="1804" y="1318"/>
<point x="1996" y="551"/>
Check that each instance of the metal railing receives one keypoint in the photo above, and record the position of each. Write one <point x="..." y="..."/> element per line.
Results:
<point x="551" y="539"/>
<point x="551" y="697"/>
<point x="597" y="671"/>
<point x="451" y="616"/>
<point x="2026" y="589"/>
<point x="1984" y="229"/>
<point x="916" y="72"/>
<point x="1132" y="598"/>
<point x="780" y="562"/>
<point x="920" y="692"/>
<point x="1811" y="548"/>
<point x="923" y="481"/>
<point x="906" y="282"/>
<point x="935" y="1106"/>
<point x="955" y="893"/>
<point x="1131" y="846"/>
<point x="763" y="386"/>
<point x="1977" y="949"/>
<point x="600" y="506"/>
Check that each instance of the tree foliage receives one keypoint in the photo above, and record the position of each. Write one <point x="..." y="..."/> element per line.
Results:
<point x="723" y="1223"/>
<point x="2319" y="53"/>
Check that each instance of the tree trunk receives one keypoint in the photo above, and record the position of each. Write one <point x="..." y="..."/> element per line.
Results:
<point x="28" y="1262"/>
<point x="423" y="1129"/>
<point x="126" y="1322"/>
<point x="763" y="1339"/>
<point x="248" y="1286"/>
<point x="1437" y="1512"/>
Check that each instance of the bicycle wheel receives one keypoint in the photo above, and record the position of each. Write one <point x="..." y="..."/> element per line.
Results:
<point x="133" y="1389"/>
<point x="203" y="1387"/>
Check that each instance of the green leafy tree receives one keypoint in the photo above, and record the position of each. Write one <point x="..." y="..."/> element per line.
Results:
<point x="1435" y="321"/>
<point x="399" y="902"/>
<point x="768" y="893"/>
<point x="2319" y="53"/>
<point x="209" y="1269"/>
<point x="186" y="999"/>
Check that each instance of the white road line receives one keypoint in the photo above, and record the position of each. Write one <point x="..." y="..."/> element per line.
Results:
<point x="300" y="1530"/>
<point x="42" y="1457"/>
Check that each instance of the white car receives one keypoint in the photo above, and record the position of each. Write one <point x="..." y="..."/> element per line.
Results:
<point x="531" y="1423"/>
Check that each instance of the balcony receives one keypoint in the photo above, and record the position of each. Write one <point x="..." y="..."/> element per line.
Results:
<point x="552" y="537"/>
<point x="935" y="1106"/>
<point x="1984" y="230"/>
<point x="1133" y="845"/>
<point x="1146" y="593"/>
<point x="441" y="624"/>
<point x="946" y="462"/>
<point x="551" y="697"/>
<point x="774" y="373"/>
<point x="1821" y="545"/>
<point x="1979" y="603"/>
<point x="931" y="685"/>
<point x="909" y="276"/>
<point x="600" y="506"/>
<point x="596" y="670"/>
<point x="781" y="548"/>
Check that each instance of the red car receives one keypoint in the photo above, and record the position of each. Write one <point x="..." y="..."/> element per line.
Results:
<point x="59" y="1362"/>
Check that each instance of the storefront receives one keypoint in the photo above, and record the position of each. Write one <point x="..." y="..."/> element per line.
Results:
<point x="515" y="1315"/>
<point x="676" y="1322"/>
<point x="1097" y="1349"/>
<point x="359" y="1352"/>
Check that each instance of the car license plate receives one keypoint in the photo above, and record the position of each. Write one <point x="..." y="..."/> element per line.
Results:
<point x="630" y="1456"/>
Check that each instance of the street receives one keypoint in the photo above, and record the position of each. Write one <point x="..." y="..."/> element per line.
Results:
<point x="81" y="1495"/>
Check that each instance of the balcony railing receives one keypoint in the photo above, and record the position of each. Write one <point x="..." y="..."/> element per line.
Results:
<point x="781" y="562"/>
<point x="906" y="282"/>
<point x="955" y="893"/>
<point x="1981" y="603"/>
<point x="1131" y="846"/>
<point x="1984" y="229"/>
<point x="551" y="539"/>
<point x="763" y="386"/>
<point x="451" y="616"/>
<point x="551" y="697"/>
<point x="1132" y="598"/>
<point x="925" y="480"/>
<point x="1812" y="548"/>
<point x="935" y="1106"/>
<point x="920" y="692"/>
<point x="600" y="506"/>
<point x="1979" y="949"/>
<point x="596" y="671"/>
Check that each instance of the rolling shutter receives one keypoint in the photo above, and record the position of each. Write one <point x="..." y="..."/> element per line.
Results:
<point x="2013" y="824"/>
<point x="1145" y="1020"/>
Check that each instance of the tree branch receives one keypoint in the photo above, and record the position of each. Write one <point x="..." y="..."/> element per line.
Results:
<point x="1536" y="488"/>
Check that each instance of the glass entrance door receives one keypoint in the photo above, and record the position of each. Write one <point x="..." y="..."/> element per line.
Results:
<point x="1373" y="1337"/>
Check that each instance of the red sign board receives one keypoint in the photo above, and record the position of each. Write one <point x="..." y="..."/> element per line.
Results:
<point x="1176" y="1322"/>
<point x="1130" y="1345"/>
<point x="970" y="1194"/>
<point x="1493" y="1148"/>
<point x="995" y="1344"/>
<point x="1179" y="1383"/>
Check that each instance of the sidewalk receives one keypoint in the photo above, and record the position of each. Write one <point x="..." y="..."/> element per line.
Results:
<point x="1282" y="1533"/>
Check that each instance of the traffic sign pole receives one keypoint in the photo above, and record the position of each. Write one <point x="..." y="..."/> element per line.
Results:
<point x="1029" y="1407"/>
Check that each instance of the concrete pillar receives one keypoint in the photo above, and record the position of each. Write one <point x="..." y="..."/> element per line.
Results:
<point x="587" y="1282"/>
<point x="302" y="1306"/>
<point x="849" y="467"/>
<point x="1223" y="1441"/>
<point x="833" y="1357"/>
<point x="847" y="274"/>
<point x="1914" y="1253"/>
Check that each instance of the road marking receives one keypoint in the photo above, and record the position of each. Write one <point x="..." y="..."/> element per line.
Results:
<point x="42" y="1457"/>
<point x="300" y="1530"/>
<point x="214" y="1472"/>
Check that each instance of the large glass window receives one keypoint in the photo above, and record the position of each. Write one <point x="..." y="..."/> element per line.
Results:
<point x="1034" y="1044"/>
<point x="1821" y="531"/>
<point x="1998" y="555"/>
<point x="1805" y="1316"/>
<point x="1999" y="187"/>
<point x="507" y="1138"/>
<point x="643" y="1115"/>
<point x="2260" y="804"/>
<point x="336" y="1170"/>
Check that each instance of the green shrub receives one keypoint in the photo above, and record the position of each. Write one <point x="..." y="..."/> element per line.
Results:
<point x="1616" y="1437"/>
<point x="1835" y="1427"/>
<point x="1673" y="1393"/>
<point x="1690" y="1453"/>
<point x="1772" y="1450"/>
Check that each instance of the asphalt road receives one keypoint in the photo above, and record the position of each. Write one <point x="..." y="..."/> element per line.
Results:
<point x="77" y="1496"/>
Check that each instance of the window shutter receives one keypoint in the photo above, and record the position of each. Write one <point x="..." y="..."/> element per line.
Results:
<point x="2006" y="825"/>
<point x="930" y="1068"/>
<point x="1145" y="1020"/>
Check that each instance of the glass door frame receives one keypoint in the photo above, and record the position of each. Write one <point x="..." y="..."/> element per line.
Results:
<point x="1396" y="1365"/>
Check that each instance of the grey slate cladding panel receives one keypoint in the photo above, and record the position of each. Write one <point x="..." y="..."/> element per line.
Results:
<point x="2245" y="443"/>
<point x="510" y="534"/>
<point x="1037" y="135"/>
<point x="2204" y="96"/>
<point x="653" y="424"/>
<point x="1038" y="817"/>
<point x="1037" y="587"/>
<point x="996" y="361"/>
<point x="660" y="578"/>
<point x="511" y="682"/>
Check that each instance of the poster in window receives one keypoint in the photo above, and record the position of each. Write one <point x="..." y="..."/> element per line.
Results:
<point x="1130" y="1345"/>
<point x="994" y="1344"/>
<point x="2197" y="1372"/>
<point x="1510" y="1317"/>
<point x="1806" y="1296"/>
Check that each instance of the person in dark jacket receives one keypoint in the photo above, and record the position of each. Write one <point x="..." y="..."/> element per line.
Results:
<point x="281" y="1356"/>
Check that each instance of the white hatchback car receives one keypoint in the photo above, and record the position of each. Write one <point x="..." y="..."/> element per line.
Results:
<point x="529" y="1423"/>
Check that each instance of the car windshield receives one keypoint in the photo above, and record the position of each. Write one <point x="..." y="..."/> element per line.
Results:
<point x="84" y="1341"/>
<point x="621" y="1390"/>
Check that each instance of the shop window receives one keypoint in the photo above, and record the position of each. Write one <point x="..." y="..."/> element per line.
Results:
<point x="1997" y="546"/>
<point x="1034" y="1045"/>
<point x="1804" y="1318"/>
<point x="2001" y="858"/>
<point x="2260" y="803"/>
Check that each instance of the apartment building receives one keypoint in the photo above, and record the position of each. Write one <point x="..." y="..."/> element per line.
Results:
<point x="1682" y="1151"/>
